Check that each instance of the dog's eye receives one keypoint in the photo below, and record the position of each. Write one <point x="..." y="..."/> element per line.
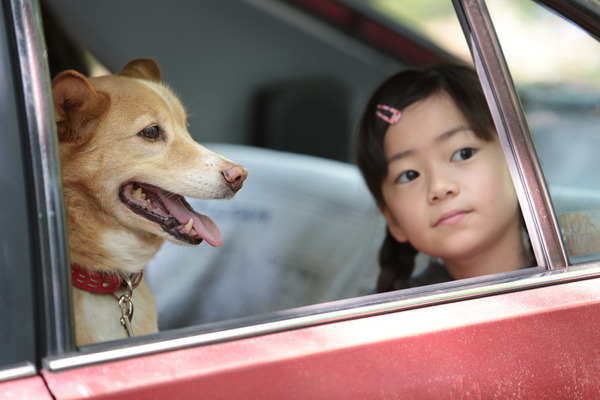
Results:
<point x="152" y="133"/>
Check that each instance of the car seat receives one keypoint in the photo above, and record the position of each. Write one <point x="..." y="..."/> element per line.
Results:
<point x="303" y="230"/>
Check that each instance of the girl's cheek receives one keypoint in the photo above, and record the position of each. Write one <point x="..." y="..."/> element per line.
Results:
<point x="405" y="199"/>
<point x="394" y="196"/>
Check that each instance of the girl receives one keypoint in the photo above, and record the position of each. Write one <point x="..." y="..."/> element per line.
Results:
<point x="430" y="155"/>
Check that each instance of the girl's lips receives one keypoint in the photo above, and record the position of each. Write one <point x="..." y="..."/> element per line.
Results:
<point x="451" y="217"/>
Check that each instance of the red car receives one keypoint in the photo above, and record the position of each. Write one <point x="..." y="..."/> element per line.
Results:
<point x="287" y="309"/>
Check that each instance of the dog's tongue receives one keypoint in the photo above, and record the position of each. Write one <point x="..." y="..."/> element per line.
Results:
<point x="203" y="225"/>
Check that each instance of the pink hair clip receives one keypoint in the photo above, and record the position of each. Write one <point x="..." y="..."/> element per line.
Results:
<point x="393" y="118"/>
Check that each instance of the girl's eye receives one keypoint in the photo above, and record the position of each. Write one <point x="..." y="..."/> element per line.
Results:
<point x="151" y="133"/>
<point x="463" y="154"/>
<point x="407" y="176"/>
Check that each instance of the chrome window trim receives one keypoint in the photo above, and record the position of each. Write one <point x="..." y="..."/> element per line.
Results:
<point x="326" y="313"/>
<point x="515" y="138"/>
<point x="48" y="222"/>
<point x="18" y="371"/>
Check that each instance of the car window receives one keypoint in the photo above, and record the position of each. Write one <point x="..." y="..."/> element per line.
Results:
<point x="225" y="88"/>
<point x="554" y="64"/>
<point x="288" y="242"/>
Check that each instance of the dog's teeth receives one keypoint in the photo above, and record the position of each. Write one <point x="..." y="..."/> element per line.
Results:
<point x="189" y="225"/>
<point x="139" y="193"/>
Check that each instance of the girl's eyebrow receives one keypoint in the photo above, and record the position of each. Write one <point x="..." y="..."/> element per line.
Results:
<point x="448" y="134"/>
<point x="441" y="138"/>
<point x="400" y="155"/>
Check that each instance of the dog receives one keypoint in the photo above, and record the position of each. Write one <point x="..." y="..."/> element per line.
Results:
<point x="127" y="162"/>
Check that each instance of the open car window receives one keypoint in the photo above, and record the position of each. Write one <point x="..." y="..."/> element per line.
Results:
<point x="286" y="309"/>
<point x="252" y="286"/>
<point x="554" y="64"/>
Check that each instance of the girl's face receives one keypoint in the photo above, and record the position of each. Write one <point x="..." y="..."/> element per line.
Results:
<point x="447" y="192"/>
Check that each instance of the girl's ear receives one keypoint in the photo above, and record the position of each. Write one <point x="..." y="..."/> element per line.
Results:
<point x="395" y="229"/>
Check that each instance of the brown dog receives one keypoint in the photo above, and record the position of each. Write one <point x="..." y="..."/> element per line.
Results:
<point x="127" y="161"/>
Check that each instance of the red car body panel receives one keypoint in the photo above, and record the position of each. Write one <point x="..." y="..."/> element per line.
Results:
<point x="537" y="344"/>
<point x="25" y="389"/>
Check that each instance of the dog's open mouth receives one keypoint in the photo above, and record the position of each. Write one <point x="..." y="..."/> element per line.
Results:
<point x="171" y="211"/>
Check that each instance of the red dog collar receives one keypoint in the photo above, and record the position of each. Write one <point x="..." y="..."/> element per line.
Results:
<point x="101" y="282"/>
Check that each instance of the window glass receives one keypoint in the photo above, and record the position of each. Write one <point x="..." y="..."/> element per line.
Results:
<point x="288" y="242"/>
<point x="554" y="64"/>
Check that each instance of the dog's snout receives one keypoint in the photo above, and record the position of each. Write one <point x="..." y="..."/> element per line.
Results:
<point x="235" y="176"/>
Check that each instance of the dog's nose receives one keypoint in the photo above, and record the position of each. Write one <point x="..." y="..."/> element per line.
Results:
<point x="236" y="176"/>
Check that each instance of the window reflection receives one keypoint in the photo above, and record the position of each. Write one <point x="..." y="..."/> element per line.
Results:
<point x="554" y="65"/>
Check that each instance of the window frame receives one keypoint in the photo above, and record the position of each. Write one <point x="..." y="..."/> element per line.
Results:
<point x="47" y="217"/>
<point x="514" y="134"/>
<point x="60" y="350"/>
<point x="18" y="356"/>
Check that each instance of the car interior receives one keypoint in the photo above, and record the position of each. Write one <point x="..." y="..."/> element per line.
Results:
<point x="278" y="87"/>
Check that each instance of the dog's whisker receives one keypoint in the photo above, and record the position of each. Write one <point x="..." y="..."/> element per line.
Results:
<point x="166" y="195"/>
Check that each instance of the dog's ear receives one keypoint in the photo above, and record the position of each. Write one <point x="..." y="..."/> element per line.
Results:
<point x="77" y="105"/>
<point x="144" y="68"/>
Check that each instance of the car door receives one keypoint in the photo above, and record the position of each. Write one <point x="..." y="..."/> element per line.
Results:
<point x="524" y="334"/>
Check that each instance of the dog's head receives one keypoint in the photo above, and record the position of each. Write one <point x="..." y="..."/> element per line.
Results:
<point x="126" y="151"/>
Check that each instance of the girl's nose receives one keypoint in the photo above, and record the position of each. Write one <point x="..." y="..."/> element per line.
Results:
<point x="442" y="186"/>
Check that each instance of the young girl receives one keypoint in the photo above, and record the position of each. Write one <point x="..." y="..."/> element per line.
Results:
<point x="430" y="155"/>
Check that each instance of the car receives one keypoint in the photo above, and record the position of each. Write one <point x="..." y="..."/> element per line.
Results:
<point x="287" y="308"/>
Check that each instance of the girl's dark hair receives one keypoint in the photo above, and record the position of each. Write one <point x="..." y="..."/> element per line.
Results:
<point x="461" y="83"/>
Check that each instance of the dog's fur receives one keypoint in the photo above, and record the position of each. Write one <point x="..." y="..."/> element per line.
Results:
<point x="114" y="130"/>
